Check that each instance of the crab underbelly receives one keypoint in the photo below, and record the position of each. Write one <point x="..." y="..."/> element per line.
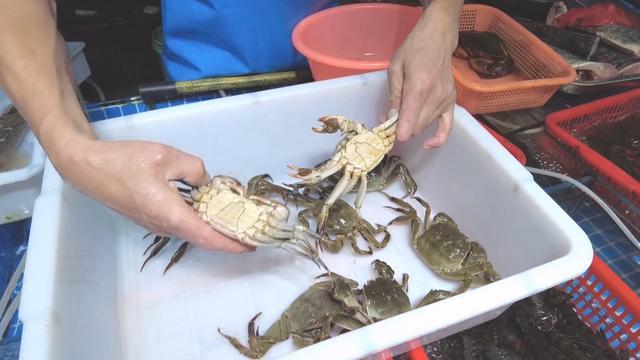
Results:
<point x="232" y="214"/>
<point x="365" y="151"/>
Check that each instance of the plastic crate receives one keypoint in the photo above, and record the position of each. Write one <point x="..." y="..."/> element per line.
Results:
<point x="175" y="312"/>
<point x="616" y="186"/>
<point x="541" y="70"/>
<point x="602" y="300"/>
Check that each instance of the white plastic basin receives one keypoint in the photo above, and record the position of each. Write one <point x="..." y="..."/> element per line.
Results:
<point x="84" y="297"/>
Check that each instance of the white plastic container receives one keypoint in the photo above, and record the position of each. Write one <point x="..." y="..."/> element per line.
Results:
<point x="85" y="298"/>
<point x="20" y="186"/>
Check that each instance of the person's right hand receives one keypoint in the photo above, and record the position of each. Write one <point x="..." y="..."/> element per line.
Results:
<point x="136" y="178"/>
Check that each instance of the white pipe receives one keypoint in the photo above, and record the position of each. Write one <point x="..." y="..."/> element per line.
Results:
<point x="595" y="197"/>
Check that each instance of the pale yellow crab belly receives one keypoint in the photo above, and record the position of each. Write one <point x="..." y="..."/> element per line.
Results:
<point x="365" y="151"/>
<point x="232" y="215"/>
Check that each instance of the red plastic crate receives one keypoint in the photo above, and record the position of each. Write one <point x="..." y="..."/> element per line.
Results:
<point x="604" y="301"/>
<point x="619" y="189"/>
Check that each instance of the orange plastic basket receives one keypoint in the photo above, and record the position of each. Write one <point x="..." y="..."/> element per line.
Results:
<point x="541" y="71"/>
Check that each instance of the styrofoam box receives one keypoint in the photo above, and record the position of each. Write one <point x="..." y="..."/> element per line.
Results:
<point x="85" y="298"/>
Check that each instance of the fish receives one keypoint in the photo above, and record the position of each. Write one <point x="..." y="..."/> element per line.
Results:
<point x="626" y="63"/>
<point x="623" y="37"/>
<point x="557" y="9"/>
<point x="587" y="70"/>
<point x="578" y="42"/>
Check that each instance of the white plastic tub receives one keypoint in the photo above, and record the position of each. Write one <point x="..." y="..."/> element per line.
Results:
<point x="84" y="297"/>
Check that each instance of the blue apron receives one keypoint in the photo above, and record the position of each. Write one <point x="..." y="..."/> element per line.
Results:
<point x="206" y="38"/>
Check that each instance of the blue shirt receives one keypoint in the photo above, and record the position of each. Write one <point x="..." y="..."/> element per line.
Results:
<point x="207" y="38"/>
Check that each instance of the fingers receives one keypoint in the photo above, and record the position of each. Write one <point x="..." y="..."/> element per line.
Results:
<point x="395" y="76"/>
<point x="445" y="123"/>
<point x="410" y="106"/>
<point x="190" y="227"/>
<point x="188" y="168"/>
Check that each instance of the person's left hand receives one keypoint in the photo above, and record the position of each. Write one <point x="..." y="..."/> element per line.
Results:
<point x="420" y="77"/>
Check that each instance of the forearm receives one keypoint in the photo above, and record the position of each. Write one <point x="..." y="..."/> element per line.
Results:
<point x="36" y="74"/>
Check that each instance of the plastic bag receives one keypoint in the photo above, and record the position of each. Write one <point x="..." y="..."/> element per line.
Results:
<point x="210" y="38"/>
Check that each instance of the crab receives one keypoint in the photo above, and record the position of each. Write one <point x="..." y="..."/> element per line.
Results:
<point x="445" y="249"/>
<point x="486" y="53"/>
<point x="343" y="221"/>
<point x="384" y="297"/>
<point x="383" y="175"/>
<point x="310" y="318"/>
<point x="251" y="219"/>
<point x="358" y="153"/>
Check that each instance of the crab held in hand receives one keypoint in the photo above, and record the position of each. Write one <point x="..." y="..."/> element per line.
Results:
<point x="358" y="153"/>
<point x="380" y="178"/>
<point x="251" y="219"/>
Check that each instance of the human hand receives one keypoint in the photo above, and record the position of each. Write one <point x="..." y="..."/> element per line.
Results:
<point x="421" y="82"/>
<point x="137" y="178"/>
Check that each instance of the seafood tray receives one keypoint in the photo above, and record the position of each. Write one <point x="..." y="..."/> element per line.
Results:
<point x="541" y="71"/>
<point x="84" y="296"/>
<point x="592" y="86"/>
<point x="617" y="186"/>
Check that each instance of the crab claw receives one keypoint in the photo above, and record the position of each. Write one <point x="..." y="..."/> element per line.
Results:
<point x="330" y="124"/>
<point x="300" y="173"/>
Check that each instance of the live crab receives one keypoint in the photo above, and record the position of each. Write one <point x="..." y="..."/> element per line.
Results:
<point x="251" y="219"/>
<point x="358" y="153"/>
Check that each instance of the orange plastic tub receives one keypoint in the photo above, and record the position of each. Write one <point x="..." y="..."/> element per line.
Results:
<point x="353" y="39"/>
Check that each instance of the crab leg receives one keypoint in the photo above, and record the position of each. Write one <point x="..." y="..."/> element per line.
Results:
<point x="155" y="241"/>
<point x="368" y="232"/>
<point x="361" y="193"/>
<point x="357" y="250"/>
<point x="337" y="191"/>
<point x="333" y="123"/>
<point x="164" y="240"/>
<point x="315" y="175"/>
<point x="177" y="256"/>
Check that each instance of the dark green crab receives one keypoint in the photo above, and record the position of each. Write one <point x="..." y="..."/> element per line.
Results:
<point x="486" y="52"/>
<point x="445" y="249"/>
<point x="343" y="222"/>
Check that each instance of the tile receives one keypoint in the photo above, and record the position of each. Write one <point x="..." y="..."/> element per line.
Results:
<point x="177" y="102"/>
<point x="129" y="109"/>
<point x="113" y="111"/>
<point x="96" y="115"/>
<point x="142" y="107"/>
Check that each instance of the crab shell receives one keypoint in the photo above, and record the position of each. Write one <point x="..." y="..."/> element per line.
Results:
<point x="253" y="220"/>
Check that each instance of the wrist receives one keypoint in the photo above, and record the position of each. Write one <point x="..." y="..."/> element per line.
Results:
<point x="440" y="19"/>
<point x="68" y="146"/>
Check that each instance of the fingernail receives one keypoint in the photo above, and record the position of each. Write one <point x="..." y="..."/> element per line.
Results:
<point x="207" y="178"/>
<point x="392" y="113"/>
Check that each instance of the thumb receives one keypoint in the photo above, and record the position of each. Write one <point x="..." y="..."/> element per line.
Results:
<point x="189" y="169"/>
